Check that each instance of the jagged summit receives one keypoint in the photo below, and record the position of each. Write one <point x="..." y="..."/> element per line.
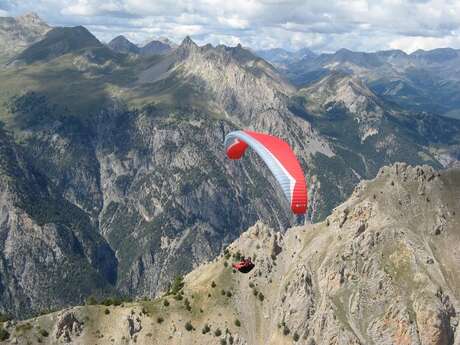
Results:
<point x="18" y="33"/>
<point x="187" y="41"/>
<point x="30" y="18"/>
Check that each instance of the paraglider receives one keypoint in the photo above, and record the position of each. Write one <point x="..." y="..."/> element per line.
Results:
<point x="244" y="266"/>
<point x="279" y="158"/>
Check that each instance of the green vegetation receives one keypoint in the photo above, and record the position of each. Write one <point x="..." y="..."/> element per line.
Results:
<point x="187" y="304"/>
<point x="188" y="326"/>
<point x="261" y="296"/>
<point x="296" y="336"/>
<point x="213" y="284"/>
<point x="205" y="329"/>
<point x="237" y="323"/>
<point x="106" y="312"/>
<point x="46" y="311"/>
<point x="112" y="301"/>
<point x="237" y="256"/>
<point x="4" y="335"/>
<point x="4" y="317"/>
<point x="24" y="327"/>
<point x="160" y="319"/>
<point x="218" y="332"/>
<point x="176" y="285"/>
<point x="286" y="330"/>
<point x="166" y="303"/>
<point x="44" y="333"/>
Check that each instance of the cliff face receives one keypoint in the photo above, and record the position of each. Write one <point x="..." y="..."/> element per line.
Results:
<point x="381" y="269"/>
<point x="171" y="199"/>
<point x="51" y="252"/>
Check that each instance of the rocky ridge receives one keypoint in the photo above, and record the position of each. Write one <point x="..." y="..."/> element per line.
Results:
<point x="18" y="33"/>
<point x="350" y="93"/>
<point x="382" y="269"/>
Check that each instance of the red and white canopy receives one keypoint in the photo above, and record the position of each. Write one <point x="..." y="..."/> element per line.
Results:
<point x="279" y="158"/>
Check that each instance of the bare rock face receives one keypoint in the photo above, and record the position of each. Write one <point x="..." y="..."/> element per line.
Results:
<point x="350" y="93"/>
<point x="134" y="325"/>
<point x="363" y="276"/>
<point x="19" y="33"/>
<point x="68" y="326"/>
<point x="43" y="247"/>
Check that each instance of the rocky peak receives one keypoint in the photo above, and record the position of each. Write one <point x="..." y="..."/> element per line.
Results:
<point x="340" y="90"/>
<point x="188" y="42"/>
<point x="156" y="47"/>
<point x="187" y="48"/>
<point x="121" y="44"/>
<point x="31" y="18"/>
<point x="338" y="87"/>
<point x="121" y="39"/>
<point x="19" y="33"/>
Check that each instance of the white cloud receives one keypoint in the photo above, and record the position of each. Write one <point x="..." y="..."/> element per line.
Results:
<point x="233" y="22"/>
<point x="322" y="25"/>
<point x="411" y="44"/>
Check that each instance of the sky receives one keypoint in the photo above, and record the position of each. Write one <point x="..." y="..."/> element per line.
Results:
<point x="321" y="25"/>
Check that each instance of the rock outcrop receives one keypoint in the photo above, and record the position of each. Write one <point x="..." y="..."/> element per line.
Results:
<point x="18" y="33"/>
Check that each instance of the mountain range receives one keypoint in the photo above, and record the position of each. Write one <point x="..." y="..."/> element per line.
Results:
<point x="422" y="81"/>
<point x="113" y="173"/>
<point x="121" y="44"/>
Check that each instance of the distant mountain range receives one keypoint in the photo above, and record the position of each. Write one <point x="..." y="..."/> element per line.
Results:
<point x="282" y="58"/>
<point x="422" y="81"/>
<point x="112" y="161"/>
<point x="121" y="44"/>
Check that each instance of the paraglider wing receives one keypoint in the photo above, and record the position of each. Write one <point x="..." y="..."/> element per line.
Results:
<point x="279" y="158"/>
